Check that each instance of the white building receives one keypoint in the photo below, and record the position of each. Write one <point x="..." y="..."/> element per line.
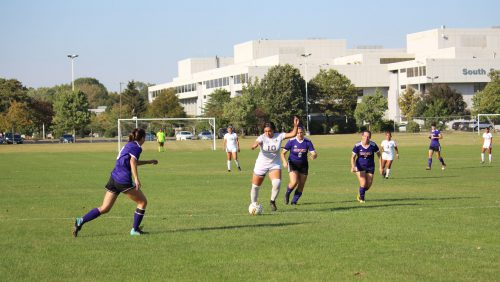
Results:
<point x="462" y="58"/>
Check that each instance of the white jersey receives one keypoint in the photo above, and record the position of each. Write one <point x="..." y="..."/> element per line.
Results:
<point x="231" y="139"/>
<point x="269" y="155"/>
<point x="388" y="147"/>
<point x="487" y="139"/>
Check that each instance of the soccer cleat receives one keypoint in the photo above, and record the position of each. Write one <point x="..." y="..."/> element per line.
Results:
<point x="77" y="227"/>
<point x="228" y="170"/>
<point x="137" y="232"/>
<point x="358" y="198"/>
<point x="239" y="168"/>
<point x="293" y="203"/>
<point x="428" y="168"/>
<point x="387" y="177"/>
<point x="273" y="205"/>
<point x="443" y="167"/>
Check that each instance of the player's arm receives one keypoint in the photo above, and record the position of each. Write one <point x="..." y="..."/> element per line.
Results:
<point x="133" y="168"/>
<point x="440" y="136"/>
<point x="283" y="157"/>
<point x="238" y="143"/>
<point x="353" y="162"/>
<point x="256" y="144"/>
<point x="224" y="143"/>
<point x="147" y="162"/>
<point x="313" y="155"/>
<point x="379" y="155"/>
<point x="397" y="151"/>
<point x="293" y="133"/>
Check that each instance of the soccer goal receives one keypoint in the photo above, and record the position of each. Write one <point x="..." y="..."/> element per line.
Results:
<point x="175" y="129"/>
<point x="486" y="120"/>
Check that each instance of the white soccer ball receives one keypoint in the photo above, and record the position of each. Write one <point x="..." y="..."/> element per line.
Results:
<point x="255" y="209"/>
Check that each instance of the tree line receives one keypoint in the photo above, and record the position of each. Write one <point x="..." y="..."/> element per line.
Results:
<point x="333" y="104"/>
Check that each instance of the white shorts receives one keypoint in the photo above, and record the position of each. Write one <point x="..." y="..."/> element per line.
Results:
<point x="231" y="150"/>
<point x="387" y="157"/>
<point x="486" y="146"/>
<point x="263" y="169"/>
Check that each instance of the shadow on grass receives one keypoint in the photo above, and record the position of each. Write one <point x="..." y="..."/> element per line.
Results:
<point x="415" y="199"/>
<point x="230" y="227"/>
<point x="358" y="206"/>
<point x="423" y="177"/>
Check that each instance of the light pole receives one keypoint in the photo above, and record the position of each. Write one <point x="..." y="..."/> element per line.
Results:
<point x="72" y="57"/>
<point x="432" y="78"/>
<point x="305" y="55"/>
<point x="120" y="114"/>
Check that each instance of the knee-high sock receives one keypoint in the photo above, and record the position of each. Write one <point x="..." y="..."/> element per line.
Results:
<point x="489" y="157"/>
<point x="441" y="160"/>
<point x="482" y="157"/>
<point x="254" y="193"/>
<point x="429" y="162"/>
<point x="362" y="191"/>
<point x="138" y="215"/>
<point x="237" y="163"/>
<point x="387" y="172"/>
<point x="296" y="196"/>
<point x="228" y="165"/>
<point x="91" y="215"/>
<point x="276" y="189"/>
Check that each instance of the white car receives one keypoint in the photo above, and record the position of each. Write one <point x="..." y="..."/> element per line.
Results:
<point x="205" y="135"/>
<point x="184" y="135"/>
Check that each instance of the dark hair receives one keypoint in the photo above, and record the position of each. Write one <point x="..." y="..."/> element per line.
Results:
<point x="136" y="134"/>
<point x="369" y="132"/>
<point x="388" y="132"/>
<point x="433" y="124"/>
<point x="269" y="124"/>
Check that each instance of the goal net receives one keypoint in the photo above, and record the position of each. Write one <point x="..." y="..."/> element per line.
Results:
<point x="486" y="121"/>
<point x="194" y="132"/>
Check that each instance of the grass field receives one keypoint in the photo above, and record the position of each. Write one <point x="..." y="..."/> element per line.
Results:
<point x="417" y="226"/>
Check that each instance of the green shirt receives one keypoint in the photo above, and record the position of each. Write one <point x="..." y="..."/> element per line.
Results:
<point x="160" y="136"/>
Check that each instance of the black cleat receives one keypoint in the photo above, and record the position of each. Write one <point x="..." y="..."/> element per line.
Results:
<point x="239" y="168"/>
<point x="77" y="227"/>
<point x="273" y="205"/>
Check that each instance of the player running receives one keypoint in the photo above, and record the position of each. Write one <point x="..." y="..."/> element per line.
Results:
<point x="363" y="163"/>
<point x="269" y="160"/>
<point x="488" y="141"/>
<point x="388" y="148"/>
<point x="297" y="164"/>
<point x="232" y="146"/>
<point x="435" y="147"/>
<point x="120" y="181"/>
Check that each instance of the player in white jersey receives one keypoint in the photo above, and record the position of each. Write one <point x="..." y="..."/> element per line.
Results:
<point x="269" y="160"/>
<point x="388" y="147"/>
<point x="488" y="141"/>
<point x="232" y="146"/>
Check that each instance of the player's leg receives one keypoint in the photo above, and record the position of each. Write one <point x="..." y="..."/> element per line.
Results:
<point x="229" y="154"/>
<point x="384" y="166"/>
<point x="429" y="159"/>
<point x="483" y="149"/>
<point x="369" y="180"/>
<point x="300" y="188"/>
<point x="362" y="183"/>
<point x="235" y="158"/>
<point x="443" y="165"/>
<point x="256" y="183"/>
<point x="107" y="204"/>
<point x="138" y="197"/>
<point x="275" y="177"/>
<point x="388" y="168"/>
<point x="294" y="175"/>
<point x="489" y="156"/>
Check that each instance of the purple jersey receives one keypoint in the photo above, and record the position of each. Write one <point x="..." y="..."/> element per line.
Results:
<point x="298" y="149"/>
<point x="435" y="142"/>
<point x="365" y="155"/>
<point x="122" y="172"/>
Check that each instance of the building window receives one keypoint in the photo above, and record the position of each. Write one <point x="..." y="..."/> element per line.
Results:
<point x="359" y="92"/>
<point x="402" y="71"/>
<point x="403" y="86"/>
<point x="479" y="86"/>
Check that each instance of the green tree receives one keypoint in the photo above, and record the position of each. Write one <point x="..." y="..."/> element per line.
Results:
<point x="71" y="112"/>
<point x="487" y="101"/>
<point x="134" y="100"/>
<point x="214" y="107"/>
<point x="282" y="96"/>
<point x="11" y="90"/>
<point x="371" y="109"/>
<point x="440" y="104"/>
<point x="166" y="105"/>
<point x="408" y="102"/>
<point x="16" y="119"/>
<point x="240" y="112"/>
<point x="332" y="93"/>
<point x="96" y="92"/>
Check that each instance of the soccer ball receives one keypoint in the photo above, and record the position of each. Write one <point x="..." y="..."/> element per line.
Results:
<point x="255" y="209"/>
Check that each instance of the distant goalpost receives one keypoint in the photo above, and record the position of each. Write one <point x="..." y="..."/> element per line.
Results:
<point x="489" y="120"/>
<point x="211" y="122"/>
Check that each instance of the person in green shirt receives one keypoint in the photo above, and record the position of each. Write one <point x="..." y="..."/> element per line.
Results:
<point x="160" y="137"/>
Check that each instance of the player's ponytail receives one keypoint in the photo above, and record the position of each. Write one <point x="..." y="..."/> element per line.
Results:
<point x="136" y="135"/>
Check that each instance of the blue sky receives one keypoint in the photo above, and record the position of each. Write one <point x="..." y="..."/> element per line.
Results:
<point x="118" y="41"/>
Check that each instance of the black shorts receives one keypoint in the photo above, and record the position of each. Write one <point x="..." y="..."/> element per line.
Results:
<point x="160" y="143"/>
<point x="435" y="148"/>
<point x="300" y="167"/>
<point x="370" y="170"/>
<point x="117" y="188"/>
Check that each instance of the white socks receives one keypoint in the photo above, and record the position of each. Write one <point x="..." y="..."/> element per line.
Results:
<point x="228" y="165"/>
<point x="482" y="157"/>
<point x="254" y="193"/>
<point x="387" y="172"/>
<point x="237" y="163"/>
<point x="276" y="189"/>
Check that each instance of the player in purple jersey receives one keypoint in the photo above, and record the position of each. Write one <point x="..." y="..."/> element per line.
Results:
<point x="120" y="181"/>
<point x="363" y="163"/>
<point x="435" y="147"/>
<point x="297" y="164"/>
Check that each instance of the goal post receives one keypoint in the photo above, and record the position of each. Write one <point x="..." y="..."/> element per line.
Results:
<point x="487" y="116"/>
<point x="137" y="123"/>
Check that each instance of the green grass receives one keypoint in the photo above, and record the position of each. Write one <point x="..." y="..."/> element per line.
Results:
<point x="417" y="226"/>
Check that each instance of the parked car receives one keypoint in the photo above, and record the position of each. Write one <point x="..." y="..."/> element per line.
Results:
<point x="1" y="140"/>
<point x="205" y="135"/>
<point x="66" y="138"/>
<point x="184" y="135"/>
<point x="222" y="132"/>
<point x="17" y="139"/>
<point x="481" y="125"/>
<point x="150" y="136"/>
